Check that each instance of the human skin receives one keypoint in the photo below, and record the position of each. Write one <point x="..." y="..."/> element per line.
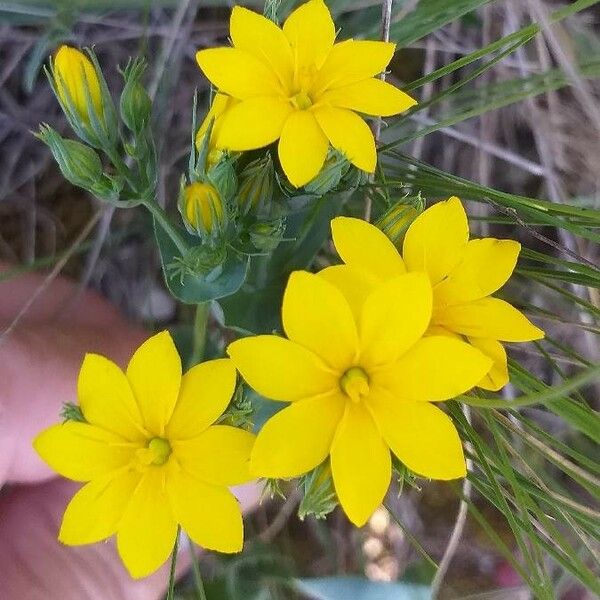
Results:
<point x="39" y="362"/>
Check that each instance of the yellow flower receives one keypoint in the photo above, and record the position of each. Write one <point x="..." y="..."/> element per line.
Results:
<point x="464" y="273"/>
<point x="203" y="207"/>
<point x="73" y="73"/>
<point x="220" y="104"/>
<point x="151" y="455"/>
<point x="360" y="382"/>
<point x="297" y="86"/>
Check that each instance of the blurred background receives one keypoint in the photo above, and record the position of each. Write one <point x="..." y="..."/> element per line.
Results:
<point x="528" y="126"/>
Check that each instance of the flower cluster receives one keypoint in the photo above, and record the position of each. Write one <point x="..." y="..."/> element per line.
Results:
<point x="371" y="345"/>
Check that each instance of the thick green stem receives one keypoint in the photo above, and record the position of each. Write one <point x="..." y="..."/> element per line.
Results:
<point x="200" y="322"/>
<point x="171" y="587"/>
<point x="196" y="571"/>
<point x="163" y="221"/>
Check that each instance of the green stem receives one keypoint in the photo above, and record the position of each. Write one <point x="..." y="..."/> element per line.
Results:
<point x="161" y="218"/>
<point x="197" y="574"/>
<point x="171" y="588"/>
<point x="200" y="322"/>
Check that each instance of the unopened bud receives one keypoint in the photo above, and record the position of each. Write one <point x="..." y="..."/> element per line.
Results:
<point x="335" y="167"/>
<point x="79" y="163"/>
<point x="202" y="209"/>
<point x="256" y="186"/>
<point x="75" y="79"/>
<point x="135" y="103"/>
<point x="319" y="495"/>
<point x="397" y="220"/>
<point x="267" y="236"/>
<point x="80" y="87"/>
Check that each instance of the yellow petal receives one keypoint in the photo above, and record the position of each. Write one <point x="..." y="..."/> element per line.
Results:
<point x="360" y="464"/>
<point x="298" y="438"/>
<point x="209" y="514"/>
<point x="219" y="106"/>
<point x="489" y="318"/>
<point x="238" y="73"/>
<point x="95" y="511"/>
<point x="436" y="240"/>
<point x="395" y="315"/>
<point x="302" y="148"/>
<point x="206" y="390"/>
<point x="497" y="376"/>
<point x="351" y="61"/>
<point x="311" y="32"/>
<point x="220" y="455"/>
<point x="371" y="97"/>
<point x="106" y="398"/>
<point x="253" y="123"/>
<point x="280" y="369"/>
<point x="485" y="267"/>
<point x="435" y="368"/>
<point x="350" y="135"/>
<point x="365" y="247"/>
<point x="354" y="284"/>
<point x="154" y="373"/>
<point x="422" y="436"/>
<point x="316" y="315"/>
<point x="147" y="531"/>
<point x="260" y="37"/>
<point x="82" y="452"/>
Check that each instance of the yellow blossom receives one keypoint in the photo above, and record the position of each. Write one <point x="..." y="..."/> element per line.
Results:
<point x="296" y="85"/>
<point x="73" y="74"/>
<point x="360" y="383"/>
<point x="152" y="456"/>
<point x="220" y="104"/>
<point x="203" y="207"/>
<point x="464" y="273"/>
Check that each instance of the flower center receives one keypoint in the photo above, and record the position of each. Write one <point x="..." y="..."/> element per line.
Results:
<point x="301" y="101"/>
<point x="157" y="452"/>
<point x="355" y="384"/>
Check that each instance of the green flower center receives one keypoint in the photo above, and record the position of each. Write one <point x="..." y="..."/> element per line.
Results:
<point x="301" y="101"/>
<point x="355" y="384"/>
<point x="156" y="453"/>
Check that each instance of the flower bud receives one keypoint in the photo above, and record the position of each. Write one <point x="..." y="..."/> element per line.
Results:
<point x="256" y="186"/>
<point x="135" y="103"/>
<point x="219" y="106"/>
<point x="202" y="209"/>
<point x="319" y="495"/>
<point x="267" y="236"/>
<point x="397" y="220"/>
<point x="77" y="83"/>
<point x="334" y="168"/>
<point x="79" y="163"/>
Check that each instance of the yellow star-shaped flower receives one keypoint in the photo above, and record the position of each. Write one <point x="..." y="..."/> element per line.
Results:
<point x="296" y="85"/>
<point x="360" y="382"/>
<point x="152" y="456"/>
<point x="463" y="273"/>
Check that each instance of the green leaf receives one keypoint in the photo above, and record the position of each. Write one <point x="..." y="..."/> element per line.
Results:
<point x="222" y="281"/>
<point x="357" y="588"/>
<point x="428" y="16"/>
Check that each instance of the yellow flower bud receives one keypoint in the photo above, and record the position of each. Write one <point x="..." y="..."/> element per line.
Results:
<point x="397" y="220"/>
<point x="203" y="208"/>
<point x="74" y="72"/>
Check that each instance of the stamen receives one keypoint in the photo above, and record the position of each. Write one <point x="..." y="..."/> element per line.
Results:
<point x="355" y="384"/>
